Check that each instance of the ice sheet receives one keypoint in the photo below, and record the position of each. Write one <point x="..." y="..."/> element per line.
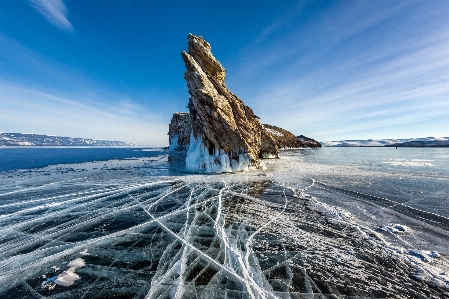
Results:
<point x="143" y="228"/>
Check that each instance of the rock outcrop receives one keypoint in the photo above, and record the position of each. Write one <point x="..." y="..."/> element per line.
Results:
<point x="181" y="127"/>
<point x="179" y="131"/>
<point x="226" y="134"/>
<point x="286" y="139"/>
<point x="308" y="142"/>
<point x="283" y="138"/>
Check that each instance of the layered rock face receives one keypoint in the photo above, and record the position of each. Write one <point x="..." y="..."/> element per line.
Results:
<point x="308" y="142"/>
<point x="285" y="139"/>
<point x="179" y="131"/>
<point x="226" y="135"/>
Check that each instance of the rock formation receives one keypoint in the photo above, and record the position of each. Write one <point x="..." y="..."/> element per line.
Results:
<point x="226" y="135"/>
<point x="181" y="127"/>
<point x="179" y="131"/>
<point x="308" y="142"/>
<point x="285" y="139"/>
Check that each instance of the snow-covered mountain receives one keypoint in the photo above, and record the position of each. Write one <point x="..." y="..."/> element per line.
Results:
<point x="25" y="139"/>
<point x="411" y="142"/>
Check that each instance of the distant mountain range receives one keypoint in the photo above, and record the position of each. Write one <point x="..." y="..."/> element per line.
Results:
<point x="412" y="142"/>
<point x="22" y="139"/>
<point x="25" y="139"/>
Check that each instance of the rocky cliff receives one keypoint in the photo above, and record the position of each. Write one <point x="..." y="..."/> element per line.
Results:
<point x="308" y="142"/>
<point x="283" y="138"/>
<point x="226" y="135"/>
<point x="179" y="131"/>
<point x="286" y="139"/>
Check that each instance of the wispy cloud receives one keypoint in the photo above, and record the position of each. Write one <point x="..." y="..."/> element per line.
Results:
<point x="50" y="97"/>
<point x="30" y="110"/>
<point x="54" y="11"/>
<point x="376" y="68"/>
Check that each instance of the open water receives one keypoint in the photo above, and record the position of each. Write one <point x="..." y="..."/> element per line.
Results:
<point x="316" y="223"/>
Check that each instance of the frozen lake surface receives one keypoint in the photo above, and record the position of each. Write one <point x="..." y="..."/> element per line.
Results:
<point x="317" y="223"/>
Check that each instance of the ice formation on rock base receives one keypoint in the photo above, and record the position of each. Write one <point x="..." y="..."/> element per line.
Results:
<point x="200" y="159"/>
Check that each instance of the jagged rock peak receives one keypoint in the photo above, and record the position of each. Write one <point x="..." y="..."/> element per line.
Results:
<point x="200" y="50"/>
<point x="226" y="134"/>
<point x="179" y="131"/>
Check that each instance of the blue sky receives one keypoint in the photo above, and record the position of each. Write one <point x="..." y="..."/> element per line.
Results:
<point x="330" y="70"/>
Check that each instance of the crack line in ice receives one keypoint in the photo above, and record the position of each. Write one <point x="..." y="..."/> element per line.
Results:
<point x="249" y="241"/>
<point x="38" y="187"/>
<point x="74" y="248"/>
<point x="180" y="288"/>
<point x="61" y="197"/>
<point x="227" y="269"/>
<point x="21" y="257"/>
<point x="79" y="222"/>
<point x="220" y="224"/>
<point x="246" y="280"/>
<point x="53" y="214"/>
<point x="394" y="203"/>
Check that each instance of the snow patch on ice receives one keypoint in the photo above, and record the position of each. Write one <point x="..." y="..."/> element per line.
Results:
<point x="424" y="255"/>
<point x="68" y="277"/>
<point x="394" y="228"/>
<point x="262" y="166"/>
<point x="432" y="276"/>
<point x="439" y="281"/>
<point x="406" y="163"/>
<point x="49" y="283"/>
<point x="333" y="214"/>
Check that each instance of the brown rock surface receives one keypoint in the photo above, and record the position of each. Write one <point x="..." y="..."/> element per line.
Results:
<point x="221" y="122"/>
<point x="179" y="131"/>
<point x="308" y="142"/>
<point x="286" y="139"/>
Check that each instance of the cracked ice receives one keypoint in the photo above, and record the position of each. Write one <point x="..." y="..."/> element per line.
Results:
<point x="140" y="233"/>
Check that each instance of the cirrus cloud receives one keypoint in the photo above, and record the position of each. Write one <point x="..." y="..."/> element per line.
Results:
<point x="54" y="11"/>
